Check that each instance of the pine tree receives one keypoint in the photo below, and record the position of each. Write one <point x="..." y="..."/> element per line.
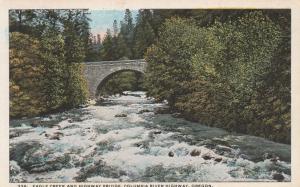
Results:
<point x="75" y="85"/>
<point x="107" y="46"/>
<point x="98" y="39"/>
<point x="52" y="58"/>
<point x="122" y="49"/>
<point x="127" y="30"/>
<point x="115" y="28"/>
<point x="144" y="34"/>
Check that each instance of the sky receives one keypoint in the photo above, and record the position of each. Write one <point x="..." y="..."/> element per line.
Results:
<point x="101" y="20"/>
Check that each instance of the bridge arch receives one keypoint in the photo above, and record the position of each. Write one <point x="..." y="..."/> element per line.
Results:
<point x="104" y="81"/>
<point x="97" y="72"/>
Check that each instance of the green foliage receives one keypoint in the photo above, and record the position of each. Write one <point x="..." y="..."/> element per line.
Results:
<point x="45" y="64"/>
<point x="25" y="69"/>
<point x="75" y="86"/>
<point x="220" y="75"/>
<point x="168" y="60"/>
<point x="144" y="37"/>
<point x="52" y="56"/>
<point x="120" y="82"/>
<point x="107" y="51"/>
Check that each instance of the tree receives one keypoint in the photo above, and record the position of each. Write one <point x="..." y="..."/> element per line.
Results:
<point x="52" y="59"/>
<point x="122" y="50"/>
<point x="107" y="51"/>
<point x="168" y="60"/>
<point x="127" y="29"/>
<point x="26" y="91"/>
<point x="46" y="71"/>
<point x="144" y="37"/>
<point x="75" y="85"/>
<point x="115" y="28"/>
<point x="220" y="74"/>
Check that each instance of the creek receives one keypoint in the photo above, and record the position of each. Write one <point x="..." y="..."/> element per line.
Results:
<point x="127" y="138"/>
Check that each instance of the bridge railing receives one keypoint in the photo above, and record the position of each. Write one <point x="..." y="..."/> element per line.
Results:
<point x="116" y="62"/>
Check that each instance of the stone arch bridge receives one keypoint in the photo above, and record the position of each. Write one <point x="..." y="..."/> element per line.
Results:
<point x="96" y="73"/>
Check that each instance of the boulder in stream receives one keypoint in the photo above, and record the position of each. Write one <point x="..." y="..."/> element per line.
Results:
<point x="143" y="111"/>
<point x="120" y="115"/>
<point x="54" y="136"/>
<point x="278" y="177"/>
<point x="195" y="152"/>
<point x="207" y="157"/>
<point x="275" y="159"/>
<point x="36" y="123"/>
<point x="157" y="132"/>
<point x="170" y="154"/>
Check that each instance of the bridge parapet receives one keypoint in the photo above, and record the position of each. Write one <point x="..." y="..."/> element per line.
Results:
<point x="116" y="62"/>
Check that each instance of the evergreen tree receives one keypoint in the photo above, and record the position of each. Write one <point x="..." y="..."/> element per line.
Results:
<point x="75" y="85"/>
<point x="52" y="59"/>
<point x="115" y="28"/>
<point x="107" y="46"/>
<point x="98" y="39"/>
<point x="127" y="30"/>
<point x="122" y="50"/>
<point x="144" y="34"/>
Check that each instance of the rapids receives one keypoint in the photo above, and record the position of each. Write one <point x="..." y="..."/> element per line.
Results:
<point x="125" y="138"/>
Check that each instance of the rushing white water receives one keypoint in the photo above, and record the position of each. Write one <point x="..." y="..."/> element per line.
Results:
<point x="125" y="140"/>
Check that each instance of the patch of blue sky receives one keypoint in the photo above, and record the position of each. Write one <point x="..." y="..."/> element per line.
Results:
<point x="101" y="20"/>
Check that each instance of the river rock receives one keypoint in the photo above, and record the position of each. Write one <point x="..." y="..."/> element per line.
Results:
<point x="120" y="115"/>
<point x="59" y="133"/>
<point x="98" y="168"/>
<point x="223" y="148"/>
<point x="34" y="157"/>
<point x="267" y="156"/>
<point x="275" y="159"/>
<point x="243" y="156"/>
<point x="157" y="132"/>
<point x="207" y="157"/>
<point x="272" y="157"/>
<point x="14" y="134"/>
<point x="176" y="115"/>
<point x="54" y="136"/>
<point x="143" y="111"/>
<point x="138" y="144"/>
<point x="14" y="168"/>
<point x="195" y="152"/>
<point x="171" y="154"/>
<point x="279" y="177"/>
<point x="17" y="151"/>
<point x="35" y="123"/>
<point x="218" y="159"/>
